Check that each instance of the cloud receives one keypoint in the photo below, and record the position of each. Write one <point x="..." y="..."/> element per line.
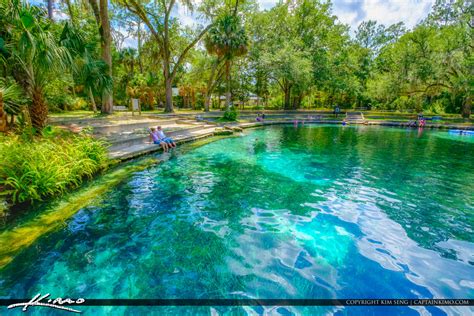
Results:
<point x="266" y="4"/>
<point x="386" y="12"/>
<point x="349" y="11"/>
<point x="130" y="42"/>
<point x="184" y="15"/>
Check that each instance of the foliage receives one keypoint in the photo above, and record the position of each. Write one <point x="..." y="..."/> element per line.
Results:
<point x="227" y="40"/>
<point x="295" y="54"/>
<point x="32" y="168"/>
<point x="34" y="54"/>
<point x="231" y="114"/>
<point x="227" y="37"/>
<point x="12" y="98"/>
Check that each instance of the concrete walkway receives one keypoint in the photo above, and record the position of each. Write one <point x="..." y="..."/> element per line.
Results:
<point x="128" y="136"/>
<point x="125" y="152"/>
<point x="128" y="152"/>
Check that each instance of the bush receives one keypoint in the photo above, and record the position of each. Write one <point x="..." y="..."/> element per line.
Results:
<point x="57" y="95"/>
<point x="258" y="107"/>
<point x="231" y="114"/>
<point x="437" y="107"/>
<point x="34" y="168"/>
<point x="404" y="103"/>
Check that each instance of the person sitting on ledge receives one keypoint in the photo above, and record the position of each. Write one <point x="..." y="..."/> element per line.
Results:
<point x="156" y="140"/>
<point x="162" y="137"/>
<point x="421" y="122"/>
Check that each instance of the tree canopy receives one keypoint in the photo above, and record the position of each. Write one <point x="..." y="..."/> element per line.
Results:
<point x="94" y="54"/>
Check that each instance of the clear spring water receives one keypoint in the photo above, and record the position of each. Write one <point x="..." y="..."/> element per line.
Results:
<point x="282" y="212"/>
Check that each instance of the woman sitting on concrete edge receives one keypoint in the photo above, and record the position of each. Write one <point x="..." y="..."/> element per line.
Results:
<point x="162" y="137"/>
<point x="156" y="140"/>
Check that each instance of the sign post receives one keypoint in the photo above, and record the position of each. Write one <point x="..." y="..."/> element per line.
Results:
<point x="136" y="106"/>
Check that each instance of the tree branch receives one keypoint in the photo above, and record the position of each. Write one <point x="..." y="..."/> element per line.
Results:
<point x="136" y="8"/>
<point x="190" y="45"/>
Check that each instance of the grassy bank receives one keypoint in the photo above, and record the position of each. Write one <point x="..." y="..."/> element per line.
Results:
<point x="19" y="236"/>
<point x="33" y="168"/>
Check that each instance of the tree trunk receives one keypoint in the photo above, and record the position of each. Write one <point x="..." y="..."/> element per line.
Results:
<point x="50" y="9"/>
<point x="38" y="109"/>
<point x="297" y="101"/>
<point x="91" y="96"/>
<point x="227" y="78"/>
<point x="71" y="12"/>
<point x="169" y="96"/>
<point x="466" y="107"/>
<point x="207" y="102"/>
<point x="106" y="43"/>
<point x="139" y="37"/>
<point x="3" y="116"/>
<point x="287" y="91"/>
<point x="211" y="83"/>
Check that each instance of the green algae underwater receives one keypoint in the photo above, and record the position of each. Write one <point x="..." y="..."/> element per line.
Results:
<point x="282" y="212"/>
<point x="54" y="214"/>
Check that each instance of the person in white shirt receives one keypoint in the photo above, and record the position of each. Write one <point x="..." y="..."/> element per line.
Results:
<point x="162" y="137"/>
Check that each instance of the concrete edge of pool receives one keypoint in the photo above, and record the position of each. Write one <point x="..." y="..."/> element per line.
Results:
<point x="151" y="148"/>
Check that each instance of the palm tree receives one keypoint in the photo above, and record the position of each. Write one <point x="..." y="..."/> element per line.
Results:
<point x="36" y="56"/>
<point x="227" y="39"/>
<point x="92" y="73"/>
<point x="9" y="96"/>
<point x="128" y="57"/>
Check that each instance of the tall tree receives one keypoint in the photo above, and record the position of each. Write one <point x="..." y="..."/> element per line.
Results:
<point x="101" y="13"/>
<point x="156" y="15"/>
<point x="290" y="69"/>
<point x="227" y="40"/>
<point x="35" y="55"/>
<point x="89" y="71"/>
<point x="50" y="9"/>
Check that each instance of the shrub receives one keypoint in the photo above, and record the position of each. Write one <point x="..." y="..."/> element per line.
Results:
<point x="404" y="103"/>
<point x="437" y="107"/>
<point x="231" y="114"/>
<point x="32" y="168"/>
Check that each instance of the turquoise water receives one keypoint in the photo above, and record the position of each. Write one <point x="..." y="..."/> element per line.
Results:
<point x="281" y="212"/>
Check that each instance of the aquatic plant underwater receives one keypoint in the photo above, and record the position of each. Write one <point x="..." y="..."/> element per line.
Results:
<point x="282" y="212"/>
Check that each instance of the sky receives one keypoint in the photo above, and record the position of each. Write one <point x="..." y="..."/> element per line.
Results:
<point x="385" y="12"/>
<point x="351" y="12"/>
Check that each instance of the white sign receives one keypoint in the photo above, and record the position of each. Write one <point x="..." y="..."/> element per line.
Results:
<point x="135" y="104"/>
<point x="175" y="92"/>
